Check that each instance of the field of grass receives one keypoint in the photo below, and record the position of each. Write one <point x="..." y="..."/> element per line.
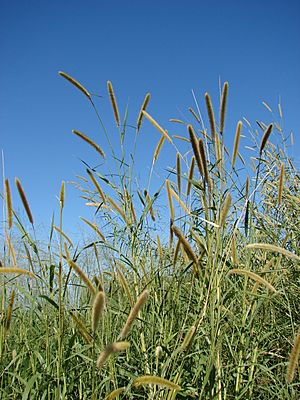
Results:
<point x="186" y="291"/>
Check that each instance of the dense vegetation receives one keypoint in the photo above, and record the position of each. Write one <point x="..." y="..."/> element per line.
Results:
<point x="200" y="301"/>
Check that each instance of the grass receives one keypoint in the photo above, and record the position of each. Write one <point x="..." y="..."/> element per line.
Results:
<point x="206" y="297"/>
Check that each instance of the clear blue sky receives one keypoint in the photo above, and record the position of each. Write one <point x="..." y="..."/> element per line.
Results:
<point x="166" y="47"/>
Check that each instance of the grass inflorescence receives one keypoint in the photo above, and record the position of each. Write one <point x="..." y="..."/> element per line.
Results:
<point x="186" y="286"/>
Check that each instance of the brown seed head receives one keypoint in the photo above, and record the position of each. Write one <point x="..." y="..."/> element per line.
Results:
<point x="294" y="356"/>
<point x="236" y="142"/>
<point x="62" y="195"/>
<point x="191" y="173"/>
<point x="9" y="210"/>
<point x="178" y="171"/>
<point x="96" y="184"/>
<point x="97" y="309"/>
<point x="82" y="276"/>
<point x="187" y="248"/>
<point x="134" y="312"/>
<point x="155" y="380"/>
<point x="10" y="310"/>
<point x="211" y="116"/>
<point x="280" y="184"/>
<point x="24" y="200"/>
<point x="203" y="161"/>
<point x="158" y="148"/>
<point x="225" y="209"/>
<point x="90" y="142"/>
<point x="75" y="83"/>
<point x="195" y="146"/>
<point x="223" y="106"/>
<point x="143" y="108"/>
<point x="172" y="213"/>
<point x="111" y="349"/>
<point x="194" y="115"/>
<point x="157" y="126"/>
<point x="113" y="102"/>
<point x="265" y="138"/>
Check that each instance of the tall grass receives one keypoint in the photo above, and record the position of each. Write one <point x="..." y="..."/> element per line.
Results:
<point x="206" y="294"/>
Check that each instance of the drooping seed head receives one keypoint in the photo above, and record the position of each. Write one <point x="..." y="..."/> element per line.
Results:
<point x="116" y="393"/>
<point x="180" y="202"/>
<point x="96" y="184"/>
<point x="75" y="83"/>
<point x="82" y="276"/>
<point x="14" y="270"/>
<point x="155" y="380"/>
<point x="94" y="227"/>
<point x="267" y="107"/>
<point x="157" y="126"/>
<point x="90" y="142"/>
<point x="253" y="276"/>
<point x="194" y="115"/>
<point x="63" y="234"/>
<point x="111" y="349"/>
<point x="117" y="208"/>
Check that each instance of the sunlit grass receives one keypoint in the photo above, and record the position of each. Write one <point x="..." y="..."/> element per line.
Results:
<point x="206" y="294"/>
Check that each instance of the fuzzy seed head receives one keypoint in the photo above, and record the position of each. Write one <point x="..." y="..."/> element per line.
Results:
<point x="211" y="116"/>
<point x="223" y="107"/>
<point x="143" y="108"/>
<point x="8" y="200"/>
<point x="134" y="312"/>
<point x="24" y="200"/>
<point x="236" y="143"/>
<point x="113" y="102"/>
<point x="75" y="83"/>
<point x="97" y="310"/>
<point x="265" y="138"/>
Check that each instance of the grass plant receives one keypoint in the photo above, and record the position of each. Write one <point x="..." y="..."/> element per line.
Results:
<point x="204" y="289"/>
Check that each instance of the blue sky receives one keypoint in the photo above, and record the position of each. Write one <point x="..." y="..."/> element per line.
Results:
<point x="166" y="48"/>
